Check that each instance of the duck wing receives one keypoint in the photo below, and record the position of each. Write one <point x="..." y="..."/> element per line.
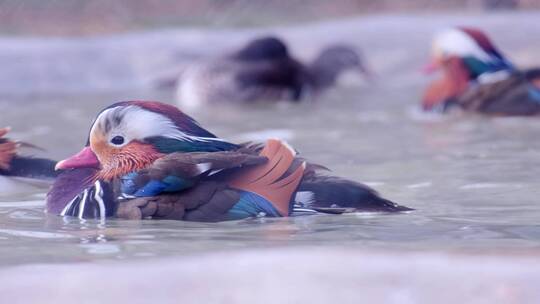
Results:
<point x="209" y="201"/>
<point x="248" y="185"/>
<point x="269" y="187"/>
<point x="180" y="171"/>
<point x="330" y="194"/>
<point x="510" y="96"/>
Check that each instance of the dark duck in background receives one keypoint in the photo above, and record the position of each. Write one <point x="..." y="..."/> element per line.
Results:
<point x="22" y="173"/>
<point x="264" y="70"/>
<point x="477" y="77"/>
<point x="149" y="159"/>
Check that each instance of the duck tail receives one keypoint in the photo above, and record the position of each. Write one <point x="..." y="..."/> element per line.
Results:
<point x="8" y="149"/>
<point x="277" y="180"/>
<point x="319" y="191"/>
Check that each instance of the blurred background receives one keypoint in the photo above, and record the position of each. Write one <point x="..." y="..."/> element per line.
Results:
<point x="75" y="18"/>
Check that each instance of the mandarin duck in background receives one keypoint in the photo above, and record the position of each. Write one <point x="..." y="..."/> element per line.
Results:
<point x="478" y="78"/>
<point x="18" y="172"/>
<point x="149" y="159"/>
<point x="264" y="70"/>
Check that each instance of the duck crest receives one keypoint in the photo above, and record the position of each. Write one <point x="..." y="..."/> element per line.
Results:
<point x="481" y="39"/>
<point x="180" y="132"/>
<point x="492" y="63"/>
<point x="180" y="119"/>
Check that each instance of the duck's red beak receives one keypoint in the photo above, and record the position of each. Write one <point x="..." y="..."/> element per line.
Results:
<point x="430" y="67"/>
<point x="86" y="158"/>
<point x="437" y="63"/>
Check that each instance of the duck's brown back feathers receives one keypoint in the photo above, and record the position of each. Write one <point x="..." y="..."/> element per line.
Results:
<point x="510" y="96"/>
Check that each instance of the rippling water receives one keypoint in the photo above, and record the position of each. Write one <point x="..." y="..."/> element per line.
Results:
<point x="472" y="180"/>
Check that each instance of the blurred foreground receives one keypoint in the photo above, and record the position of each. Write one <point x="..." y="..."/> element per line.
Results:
<point x="304" y="276"/>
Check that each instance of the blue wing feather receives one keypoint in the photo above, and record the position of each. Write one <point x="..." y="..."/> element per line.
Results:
<point x="250" y="205"/>
<point x="128" y="183"/>
<point x="153" y="187"/>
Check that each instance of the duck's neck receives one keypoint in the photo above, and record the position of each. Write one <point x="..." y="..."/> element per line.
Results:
<point x="454" y="82"/>
<point x="324" y="74"/>
<point x="456" y="70"/>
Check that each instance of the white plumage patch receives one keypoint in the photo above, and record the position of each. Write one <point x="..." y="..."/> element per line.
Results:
<point x="494" y="77"/>
<point x="133" y="122"/>
<point x="454" y="42"/>
<point x="203" y="167"/>
<point x="306" y="198"/>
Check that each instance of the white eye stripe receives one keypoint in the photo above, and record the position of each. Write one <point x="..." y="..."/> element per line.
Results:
<point x="133" y="122"/>
<point x="456" y="42"/>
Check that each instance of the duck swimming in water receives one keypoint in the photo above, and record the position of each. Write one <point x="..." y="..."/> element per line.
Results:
<point x="477" y="77"/>
<point x="21" y="173"/>
<point x="149" y="159"/>
<point x="264" y="70"/>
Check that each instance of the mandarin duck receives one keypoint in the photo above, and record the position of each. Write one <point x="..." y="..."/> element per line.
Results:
<point x="478" y="78"/>
<point x="149" y="159"/>
<point x="264" y="70"/>
<point x="21" y="173"/>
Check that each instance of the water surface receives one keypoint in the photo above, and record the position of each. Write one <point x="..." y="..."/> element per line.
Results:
<point x="472" y="180"/>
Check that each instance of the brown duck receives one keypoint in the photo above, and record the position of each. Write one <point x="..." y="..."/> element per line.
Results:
<point x="262" y="71"/>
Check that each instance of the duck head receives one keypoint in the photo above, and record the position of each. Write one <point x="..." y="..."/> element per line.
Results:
<point x="472" y="46"/>
<point x="462" y="54"/>
<point x="131" y="135"/>
<point x="333" y="60"/>
<point x="264" y="48"/>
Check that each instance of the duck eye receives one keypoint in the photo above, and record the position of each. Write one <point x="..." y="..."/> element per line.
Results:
<point x="117" y="140"/>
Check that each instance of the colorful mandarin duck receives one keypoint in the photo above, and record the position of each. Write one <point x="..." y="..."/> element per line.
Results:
<point x="22" y="168"/>
<point x="263" y="70"/>
<point x="478" y="78"/>
<point x="149" y="159"/>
